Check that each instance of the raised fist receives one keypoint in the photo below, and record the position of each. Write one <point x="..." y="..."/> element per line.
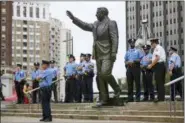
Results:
<point x="69" y="14"/>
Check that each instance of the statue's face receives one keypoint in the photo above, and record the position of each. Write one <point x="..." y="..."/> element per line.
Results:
<point x="99" y="14"/>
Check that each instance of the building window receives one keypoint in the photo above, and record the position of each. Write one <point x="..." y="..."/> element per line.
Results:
<point x="181" y="19"/>
<point x="3" y="36"/>
<point x="153" y="14"/>
<point x="24" y="36"/>
<point x="171" y="42"/>
<point x="24" y="11"/>
<point x="37" y="52"/>
<point x="161" y="34"/>
<point x="24" y="51"/>
<point x="181" y="30"/>
<point x="18" y="11"/>
<point x="174" y="42"/>
<point x="25" y="44"/>
<point x="25" y="29"/>
<point x="166" y="32"/>
<point x="147" y="6"/>
<point x="3" y="28"/>
<point x="43" y="12"/>
<point x="24" y="22"/>
<point x="156" y="3"/>
<point x="153" y="24"/>
<point x="160" y="23"/>
<point x="156" y="24"/>
<point x="37" y="12"/>
<point x="181" y="8"/>
<point x="171" y="33"/>
<point x="159" y="2"/>
<point x="3" y="20"/>
<point x="3" y="10"/>
<point x="170" y="10"/>
<point x="133" y="8"/>
<point x="173" y="9"/>
<point x="174" y="31"/>
<point x="157" y="34"/>
<point x="174" y="20"/>
<point x="170" y="21"/>
<point x="31" y="11"/>
<point x="166" y="11"/>
<point x="156" y="13"/>
<point x="144" y="6"/>
<point x="166" y="22"/>
<point x="160" y="13"/>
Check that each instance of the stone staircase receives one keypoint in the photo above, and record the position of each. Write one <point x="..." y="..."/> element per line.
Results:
<point x="140" y="111"/>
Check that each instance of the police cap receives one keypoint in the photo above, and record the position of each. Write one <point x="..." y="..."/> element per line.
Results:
<point x="82" y="55"/>
<point x="132" y="40"/>
<point x="19" y="65"/>
<point x="45" y="62"/>
<point x="52" y="62"/>
<point x="88" y="55"/>
<point x="146" y="47"/>
<point x="173" y="48"/>
<point x="36" y="64"/>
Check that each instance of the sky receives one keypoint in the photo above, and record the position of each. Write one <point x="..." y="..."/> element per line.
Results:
<point x="86" y="11"/>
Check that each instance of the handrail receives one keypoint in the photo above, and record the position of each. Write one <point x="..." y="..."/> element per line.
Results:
<point x="174" y="81"/>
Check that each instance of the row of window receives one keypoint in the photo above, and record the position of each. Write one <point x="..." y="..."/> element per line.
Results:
<point x="24" y="59"/>
<point x="25" y="14"/>
<point x="25" y="44"/>
<point x="31" y="37"/>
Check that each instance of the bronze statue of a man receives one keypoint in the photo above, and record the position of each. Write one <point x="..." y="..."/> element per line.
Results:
<point x="105" y="47"/>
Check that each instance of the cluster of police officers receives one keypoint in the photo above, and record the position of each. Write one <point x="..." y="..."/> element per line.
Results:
<point x="143" y="61"/>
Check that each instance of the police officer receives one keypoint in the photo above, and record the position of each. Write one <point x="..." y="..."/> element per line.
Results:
<point x="132" y="61"/>
<point x="35" y="82"/>
<point x="88" y="79"/>
<point x="19" y="83"/>
<point x="158" y="65"/>
<point x="175" y="72"/>
<point x="147" y="74"/>
<point x="45" y="82"/>
<point x="55" y="74"/>
<point x="1" y="86"/>
<point x="79" y="78"/>
<point x="70" y="73"/>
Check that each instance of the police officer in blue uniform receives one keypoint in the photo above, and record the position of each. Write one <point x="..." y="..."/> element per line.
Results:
<point x="147" y="74"/>
<point x="132" y="61"/>
<point x="45" y="82"/>
<point x="88" y="79"/>
<point x="70" y="73"/>
<point x="35" y="83"/>
<point x="19" y="83"/>
<point x="55" y="74"/>
<point x="79" y="78"/>
<point x="175" y="72"/>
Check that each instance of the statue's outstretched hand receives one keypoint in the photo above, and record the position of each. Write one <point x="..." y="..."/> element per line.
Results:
<point x="70" y="15"/>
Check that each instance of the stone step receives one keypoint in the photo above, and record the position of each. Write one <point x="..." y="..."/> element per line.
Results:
<point x="99" y="112"/>
<point x="128" y="106"/>
<point x="166" y="119"/>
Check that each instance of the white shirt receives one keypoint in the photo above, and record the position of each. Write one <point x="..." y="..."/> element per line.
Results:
<point x="159" y="51"/>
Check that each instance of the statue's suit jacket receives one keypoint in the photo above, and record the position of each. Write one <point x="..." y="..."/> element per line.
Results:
<point x="105" y="36"/>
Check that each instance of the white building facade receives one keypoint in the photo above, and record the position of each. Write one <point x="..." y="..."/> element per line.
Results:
<point x="30" y="33"/>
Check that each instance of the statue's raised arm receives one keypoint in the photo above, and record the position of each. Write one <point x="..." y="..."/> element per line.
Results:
<point x="83" y="25"/>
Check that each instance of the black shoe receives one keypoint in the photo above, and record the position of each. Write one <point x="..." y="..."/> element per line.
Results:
<point x="48" y="120"/>
<point x="42" y="119"/>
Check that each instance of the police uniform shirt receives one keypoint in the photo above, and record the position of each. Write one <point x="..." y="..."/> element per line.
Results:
<point x="175" y="61"/>
<point x="88" y="66"/>
<point x="55" y="71"/>
<point x="70" y="69"/>
<point x="19" y="75"/>
<point x="35" y="74"/>
<point x="145" y="61"/>
<point x="81" y="64"/>
<point x="46" y="77"/>
<point x="159" y="51"/>
<point x="133" y="54"/>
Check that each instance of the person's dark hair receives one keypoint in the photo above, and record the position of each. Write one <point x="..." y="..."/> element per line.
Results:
<point x="104" y="10"/>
